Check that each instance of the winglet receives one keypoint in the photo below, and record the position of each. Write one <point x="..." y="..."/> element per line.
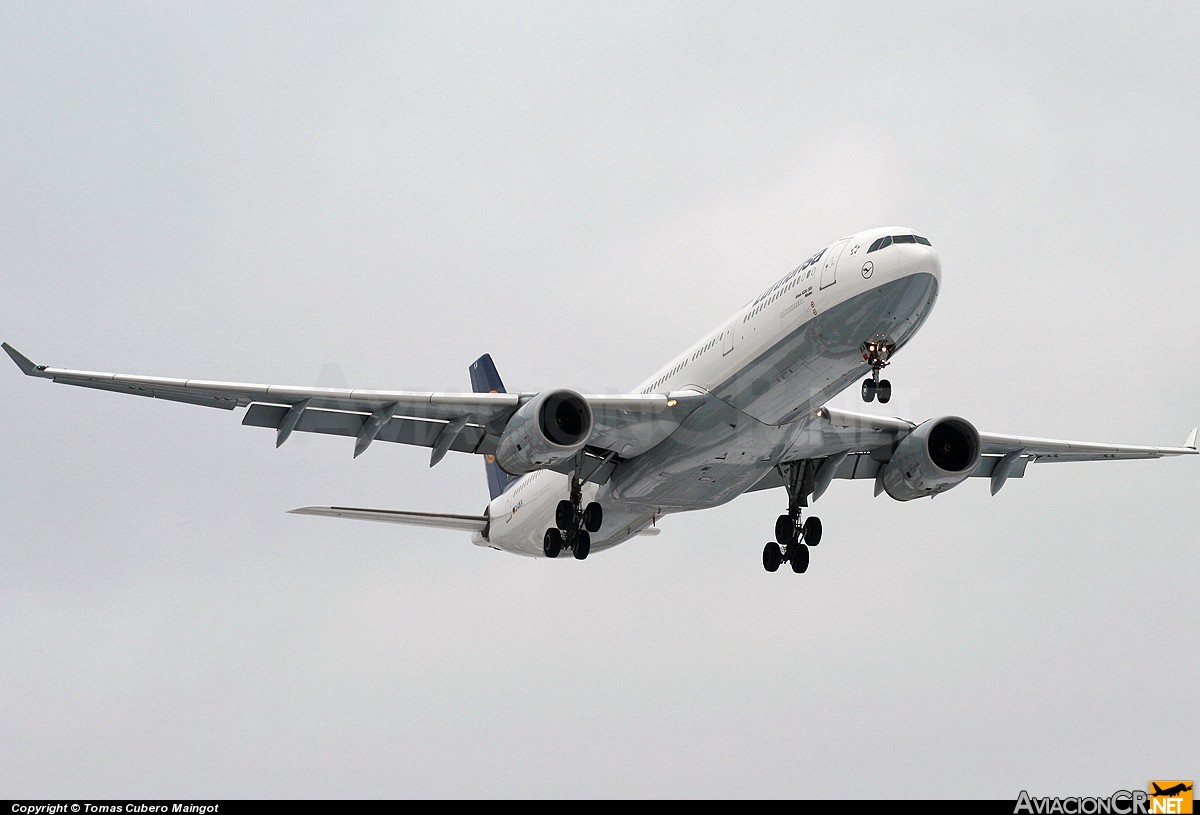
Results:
<point x="1191" y="442"/>
<point x="23" y="362"/>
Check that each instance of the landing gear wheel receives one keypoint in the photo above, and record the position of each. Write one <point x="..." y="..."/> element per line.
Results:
<point x="812" y="531"/>
<point x="877" y="354"/>
<point x="771" y="557"/>
<point x="564" y="515"/>
<point x="553" y="542"/>
<point x="794" y="534"/>
<point x="593" y="516"/>
<point x="785" y="530"/>
<point x="583" y="544"/>
<point x="868" y="390"/>
<point x="799" y="559"/>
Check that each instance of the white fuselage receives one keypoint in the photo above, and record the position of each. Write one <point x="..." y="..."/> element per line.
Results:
<point x="766" y="370"/>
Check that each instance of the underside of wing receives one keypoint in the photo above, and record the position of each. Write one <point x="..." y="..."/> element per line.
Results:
<point x="839" y="430"/>
<point x="835" y="444"/>
<point x="1042" y="450"/>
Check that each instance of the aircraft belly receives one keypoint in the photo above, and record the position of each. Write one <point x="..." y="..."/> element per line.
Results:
<point x="821" y="357"/>
<point x="522" y="515"/>
<point x="716" y="454"/>
<point x="705" y="485"/>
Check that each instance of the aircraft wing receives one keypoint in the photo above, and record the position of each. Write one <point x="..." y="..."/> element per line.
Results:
<point x="1037" y="449"/>
<point x="625" y="424"/>
<point x="844" y="444"/>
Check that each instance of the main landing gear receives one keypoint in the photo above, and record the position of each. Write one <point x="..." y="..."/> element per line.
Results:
<point x="876" y="354"/>
<point x="574" y="524"/>
<point x="794" y="537"/>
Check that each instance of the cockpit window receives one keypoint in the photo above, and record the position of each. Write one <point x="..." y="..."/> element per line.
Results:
<point x="888" y="240"/>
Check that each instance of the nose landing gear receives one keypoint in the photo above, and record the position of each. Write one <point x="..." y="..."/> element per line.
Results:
<point x="876" y="354"/>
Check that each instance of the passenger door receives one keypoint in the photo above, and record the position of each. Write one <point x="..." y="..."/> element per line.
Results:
<point x="829" y="267"/>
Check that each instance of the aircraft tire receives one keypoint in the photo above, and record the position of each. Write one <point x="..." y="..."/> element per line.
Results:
<point x="812" y="531"/>
<point x="593" y="517"/>
<point x="552" y="543"/>
<point x="868" y="390"/>
<point x="799" y="559"/>
<point x="771" y="557"/>
<point x="884" y="391"/>
<point x="784" y="530"/>
<point x="583" y="544"/>
<point x="564" y="514"/>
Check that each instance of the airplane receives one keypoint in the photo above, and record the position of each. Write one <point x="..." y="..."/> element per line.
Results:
<point x="1170" y="791"/>
<point x="741" y="409"/>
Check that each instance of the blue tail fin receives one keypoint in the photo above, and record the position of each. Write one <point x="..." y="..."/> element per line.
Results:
<point x="485" y="379"/>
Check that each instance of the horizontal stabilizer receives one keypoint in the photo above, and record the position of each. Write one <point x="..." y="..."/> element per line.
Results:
<point x="437" y="520"/>
<point x="440" y="520"/>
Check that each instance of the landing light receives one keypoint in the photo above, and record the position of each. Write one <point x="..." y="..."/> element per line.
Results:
<point x="672" y="402"/>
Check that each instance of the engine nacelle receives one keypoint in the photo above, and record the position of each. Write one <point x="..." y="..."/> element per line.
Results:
<point x="937" y="455"/>
<point x="548" y="428"/>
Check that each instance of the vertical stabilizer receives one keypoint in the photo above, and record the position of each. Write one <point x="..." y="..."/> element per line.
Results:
<point x="486" y="379"/>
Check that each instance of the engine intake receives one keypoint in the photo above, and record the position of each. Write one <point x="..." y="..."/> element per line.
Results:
<point x="548" y="428"/>
<point x="937" y="455"/>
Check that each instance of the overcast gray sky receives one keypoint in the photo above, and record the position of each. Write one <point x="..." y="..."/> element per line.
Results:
<point x="374" y="194"/>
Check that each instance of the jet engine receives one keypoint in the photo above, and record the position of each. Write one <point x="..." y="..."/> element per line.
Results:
<point x="548" y="428"/>
<point x="937" y="455"/>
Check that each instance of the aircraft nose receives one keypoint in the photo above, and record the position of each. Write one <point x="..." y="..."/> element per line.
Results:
<point x="920" y="259"/>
